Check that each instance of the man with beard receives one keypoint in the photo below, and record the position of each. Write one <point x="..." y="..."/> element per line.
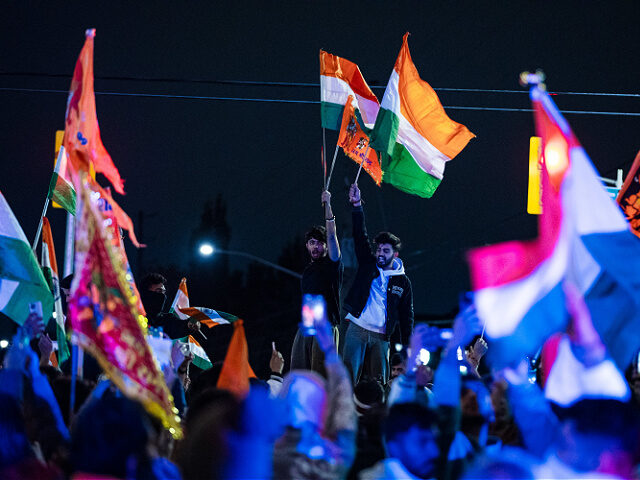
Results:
<point x="323" y="276"/>
<point x="379" y="301"/>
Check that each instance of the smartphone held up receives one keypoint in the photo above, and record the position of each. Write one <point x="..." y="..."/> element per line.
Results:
<point x="313" y="309"/>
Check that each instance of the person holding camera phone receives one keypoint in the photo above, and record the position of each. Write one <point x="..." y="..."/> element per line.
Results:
<point x="323" y="276"/>
<point x="379" y="301"/>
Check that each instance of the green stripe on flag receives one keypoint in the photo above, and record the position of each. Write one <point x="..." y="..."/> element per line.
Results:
<point x="331" y="115"/>
<point x="63" y="193"/>
<point x="385" y="132"/>
<point x="402" y="171"/>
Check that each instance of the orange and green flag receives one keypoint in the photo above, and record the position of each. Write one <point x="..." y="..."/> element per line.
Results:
<point x="355" y="143"/>
<point x="415" y="136"/>
<point x="50" y="268"/>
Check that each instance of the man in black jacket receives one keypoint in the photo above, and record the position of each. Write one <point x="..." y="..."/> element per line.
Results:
<point x="379" y="301"/>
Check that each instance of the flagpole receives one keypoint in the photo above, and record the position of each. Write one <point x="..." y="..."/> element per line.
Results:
<point x="355" y="182"/>
<point x="68" y="246"/>
<point x="335" y="154"/>
<point x="39" y="230"/>
<point x="324" y="155"/>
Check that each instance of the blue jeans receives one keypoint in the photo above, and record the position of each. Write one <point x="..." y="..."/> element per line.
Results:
<point x="366" y="352"/>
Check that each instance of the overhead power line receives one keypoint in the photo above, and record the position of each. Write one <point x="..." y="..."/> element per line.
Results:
<point x="258" y="83"/>
<point x="311" y="102"/>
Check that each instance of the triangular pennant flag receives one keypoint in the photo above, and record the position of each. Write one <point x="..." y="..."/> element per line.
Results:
<point x="236" y="370"/>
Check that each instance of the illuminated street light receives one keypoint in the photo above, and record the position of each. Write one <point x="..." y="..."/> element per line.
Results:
<point x="4" y="343"/>
<point x="206" y="249"/>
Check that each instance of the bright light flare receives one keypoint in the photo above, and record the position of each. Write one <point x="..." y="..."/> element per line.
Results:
<point x="424" y="356"/>
<point x="556" y="157"/>
<point x="206" y="249"/>
<point x="4" y="343"/>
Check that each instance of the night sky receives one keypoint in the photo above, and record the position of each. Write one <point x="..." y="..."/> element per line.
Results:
<point x="264" y="158"/>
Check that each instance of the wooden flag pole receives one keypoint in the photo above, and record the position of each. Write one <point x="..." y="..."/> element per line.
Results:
<point x="355" y="182"/>
<point x="335" y="154"/>
<point x="39" y="230"/>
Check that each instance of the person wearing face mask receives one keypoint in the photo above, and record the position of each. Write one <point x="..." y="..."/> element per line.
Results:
<point x="153" y="294"/>
<point x="379" y="301"/>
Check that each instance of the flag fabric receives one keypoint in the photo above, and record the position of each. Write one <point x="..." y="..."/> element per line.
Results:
<point x="208" y="316"/>
<point x="180" y="301"/>
<point x="106" y="206"/>
<point x="105" y="317"/>
<point x="61" y="188"/>
<point x="340" y="78"/>
<point x="629" y="196"/>
<point x="50" y="268"/>
<point x="569" y="380"/>
<point x="21" y="279"/>
<point x="200" y="357"/>
<point x="355" y="143"/>
<point x="413" y="132"/>
<point x="582" y="237"/>
<point x="236" y="370"/>
<point x="82" y="133"/>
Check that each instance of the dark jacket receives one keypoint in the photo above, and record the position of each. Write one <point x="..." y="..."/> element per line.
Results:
<point x="399" y="293"/>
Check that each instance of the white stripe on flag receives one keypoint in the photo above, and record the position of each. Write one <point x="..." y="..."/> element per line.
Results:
<point x="7" y="289"/>
<point x="336" y="90"/>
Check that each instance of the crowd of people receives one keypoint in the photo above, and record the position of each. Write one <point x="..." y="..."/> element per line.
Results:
<point x="347" y="408"/>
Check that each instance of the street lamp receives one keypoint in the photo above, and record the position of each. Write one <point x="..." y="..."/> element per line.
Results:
<point x="206" y="249"/>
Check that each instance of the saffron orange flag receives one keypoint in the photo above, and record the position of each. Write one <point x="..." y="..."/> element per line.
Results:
<point x="82" y="133"/>
<point x="355" y="143"/>
<point x="236" y="370"/>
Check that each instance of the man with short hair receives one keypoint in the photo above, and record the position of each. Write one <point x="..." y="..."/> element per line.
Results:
<point x="153" y="294"/>
<point x="323" y="276"/>
<point x="379" y="301"/>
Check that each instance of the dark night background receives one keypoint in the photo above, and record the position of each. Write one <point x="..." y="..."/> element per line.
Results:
<point x="257" y="163"/>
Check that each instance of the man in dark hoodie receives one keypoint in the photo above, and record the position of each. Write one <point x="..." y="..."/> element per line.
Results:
<point x="379" y="301"/>
<point x="153" y="294"/>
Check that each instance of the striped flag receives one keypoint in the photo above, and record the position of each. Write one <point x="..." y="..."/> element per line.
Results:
<point x="629" y="196"/>
<point x="50" y="267"/>
<point x="340" y="78"/>
<point x="583" y="237"/>
<point x="200" y="357"/>
<point x="208" y="316"/>
<point x="413" y="132"/>
<point x="180" y="301"/>
<point x="61" y="188"/>
<point x="21" y="279"/>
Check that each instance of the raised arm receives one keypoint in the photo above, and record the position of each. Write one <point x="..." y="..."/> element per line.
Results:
<point x="360" y="237"/>
<point x="333" y="247"/>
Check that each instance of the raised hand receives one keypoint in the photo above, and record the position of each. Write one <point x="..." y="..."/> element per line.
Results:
<point x="276" y="364"/>
<point x="354" y="195"/>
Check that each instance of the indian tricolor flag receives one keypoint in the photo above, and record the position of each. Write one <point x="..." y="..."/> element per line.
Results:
<point x="61" y="188"/>
<point x="340" y="78"/>
<point x="21" y="279"/>
<point x="413" y="132"/>
<point x="180" y="301"/>
<point x="208" y="316"/>
<point x="50" y="267"/>
<point x="200" y="357"/>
